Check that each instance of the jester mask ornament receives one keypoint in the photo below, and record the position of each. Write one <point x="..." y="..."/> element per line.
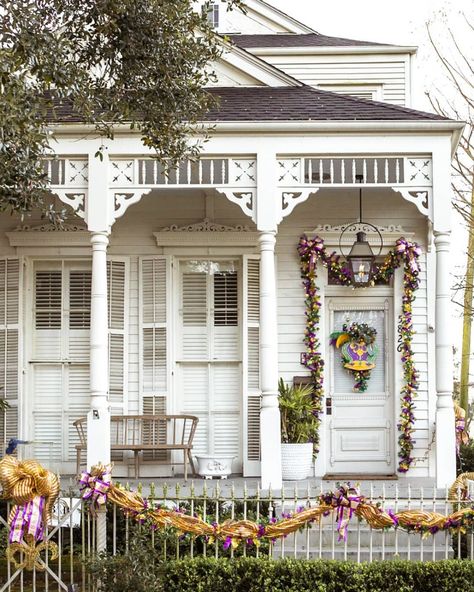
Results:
<point x="358" y="351"/>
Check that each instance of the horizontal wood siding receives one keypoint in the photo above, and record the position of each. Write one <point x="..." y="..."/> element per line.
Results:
<point x="388" y="71"/>
<point x="291" y="307"/>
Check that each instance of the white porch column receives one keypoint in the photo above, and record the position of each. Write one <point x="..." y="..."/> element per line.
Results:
<point x="98" y="418"/>
<point x="445" y="432"/>
<point x="270" y="438"/>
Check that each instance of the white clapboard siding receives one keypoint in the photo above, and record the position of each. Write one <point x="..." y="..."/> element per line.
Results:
<point x="9" y="346"/>
<point x="117" y="305"/>
<point x="386" y="72"/>
<point x="291" y="326"/>
<point x="154" y="358"/>
<point x="252" y="393"/>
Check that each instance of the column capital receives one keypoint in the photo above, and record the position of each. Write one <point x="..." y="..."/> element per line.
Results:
<point x="100" y="238"/>
<point x="442" y="237"/>
<point x="267" y="240"/>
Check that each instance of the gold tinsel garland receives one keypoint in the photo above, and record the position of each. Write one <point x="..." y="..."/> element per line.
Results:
<point x="345" y="502"/>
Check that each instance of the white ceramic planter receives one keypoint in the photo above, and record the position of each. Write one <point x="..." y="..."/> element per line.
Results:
<point x="296" y="461"/>
<point x="212" y="465"/>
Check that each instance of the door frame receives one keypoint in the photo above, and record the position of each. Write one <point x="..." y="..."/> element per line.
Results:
<point x="393" y="292"/>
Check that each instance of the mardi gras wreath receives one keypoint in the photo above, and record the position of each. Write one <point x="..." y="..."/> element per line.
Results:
<point x="358" y="351"/>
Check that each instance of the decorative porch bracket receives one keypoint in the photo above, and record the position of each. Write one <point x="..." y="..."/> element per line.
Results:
<point x="77" y="201"/>
<point x="290" y="199"/>
<point x="123" y="200"/>
<point x="421" y="197"/>
<point x="245" y="199"/>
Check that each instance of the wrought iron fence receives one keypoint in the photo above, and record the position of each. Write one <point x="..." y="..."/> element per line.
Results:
<point x="74" y="531"/>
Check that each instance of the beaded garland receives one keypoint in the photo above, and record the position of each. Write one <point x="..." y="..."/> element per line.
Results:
<point x="406" y="253"/>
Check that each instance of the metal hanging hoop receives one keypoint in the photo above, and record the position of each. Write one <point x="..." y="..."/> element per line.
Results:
<point x="355" y="227"/>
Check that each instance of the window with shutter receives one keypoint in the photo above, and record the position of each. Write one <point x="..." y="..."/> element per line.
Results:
<point x="209" y="375"/>
<point x="116" y="280"/>
<point x="9" y="347"/>
<point x="252" y="394"/>
<point x="60" y="357"/>
<point x="154" y="274"/>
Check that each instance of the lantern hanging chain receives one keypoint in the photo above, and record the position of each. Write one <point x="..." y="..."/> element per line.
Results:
<point x="360" y="178"/>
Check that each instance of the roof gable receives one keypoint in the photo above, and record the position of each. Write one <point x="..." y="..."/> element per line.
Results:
<point x="238" y="67"/>
<point x="260" y="17"/>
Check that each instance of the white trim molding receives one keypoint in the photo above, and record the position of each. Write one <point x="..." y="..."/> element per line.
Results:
<point x="206" y="233"/>
<point x="331" y="235"/>
<point x="49" y="235"/>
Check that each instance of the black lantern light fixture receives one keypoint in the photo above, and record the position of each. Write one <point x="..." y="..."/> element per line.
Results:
<point x="361" y="258"/>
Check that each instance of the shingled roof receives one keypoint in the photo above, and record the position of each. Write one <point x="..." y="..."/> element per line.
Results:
<point x="302" y="103"/>
<point x="294" y="40"/>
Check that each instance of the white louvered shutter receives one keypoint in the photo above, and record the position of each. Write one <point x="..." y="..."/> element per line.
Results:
<point x="116" y="291"/>
<point x="194" y="349"/>
<point x="154" y="279"/>
<point x="48" y="389"/>
<point x="10" y="279"/>
<point x="60" y="361"/>
<point x="252" y="392"/>
<point x="225" y="369"/>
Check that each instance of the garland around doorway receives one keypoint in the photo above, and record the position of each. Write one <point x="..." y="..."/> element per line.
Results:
<point x="406" y="254"/>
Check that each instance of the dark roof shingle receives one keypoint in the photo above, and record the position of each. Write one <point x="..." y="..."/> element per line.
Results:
<point x="295" y="40"/>
<point x="304" y="103"/>
<point x="301" y="103"/>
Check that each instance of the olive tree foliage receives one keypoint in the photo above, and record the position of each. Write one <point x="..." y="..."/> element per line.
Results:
<point x="451" y="35"/>
<point x="140" y="63"/>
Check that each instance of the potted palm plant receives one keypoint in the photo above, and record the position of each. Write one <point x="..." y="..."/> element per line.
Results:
<point x="298" y="426"/>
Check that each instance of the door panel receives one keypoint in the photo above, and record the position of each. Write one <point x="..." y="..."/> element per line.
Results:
<point x="361" y="424"/>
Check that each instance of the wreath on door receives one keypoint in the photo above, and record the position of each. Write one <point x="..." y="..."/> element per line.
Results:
<point x="358" y="352"/>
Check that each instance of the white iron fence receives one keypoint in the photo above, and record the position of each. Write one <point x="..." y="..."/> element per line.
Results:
<point x="74" y="531"/>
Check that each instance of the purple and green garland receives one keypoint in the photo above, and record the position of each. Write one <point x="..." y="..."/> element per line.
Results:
<point x="406" y="253"/>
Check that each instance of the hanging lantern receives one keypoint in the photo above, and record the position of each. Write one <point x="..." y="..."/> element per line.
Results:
<point x="361" y="260"/>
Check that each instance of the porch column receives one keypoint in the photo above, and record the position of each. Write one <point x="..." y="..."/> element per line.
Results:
<point x="270" y="439"/>
<point x="98" y="418"/>
<point x="445" y="432"/>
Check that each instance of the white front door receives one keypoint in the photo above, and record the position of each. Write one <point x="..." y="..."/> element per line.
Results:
<point x="361" y="424"/>
<point x="209" y="354"/>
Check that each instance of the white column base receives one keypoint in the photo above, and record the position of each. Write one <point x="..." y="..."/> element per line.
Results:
<point x="270" y="442"/>
<point x="445" y="446"/>
<point x="98" y="437"/>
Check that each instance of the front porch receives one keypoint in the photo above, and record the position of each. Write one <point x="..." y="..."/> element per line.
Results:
<point x="182" y="301"/>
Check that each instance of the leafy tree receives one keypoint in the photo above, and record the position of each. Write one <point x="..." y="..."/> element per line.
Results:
<point x="139" y="63"/>
<point x="451" y="39"/>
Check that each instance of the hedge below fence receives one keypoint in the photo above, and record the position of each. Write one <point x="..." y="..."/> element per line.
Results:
<point x="289" y="575"/>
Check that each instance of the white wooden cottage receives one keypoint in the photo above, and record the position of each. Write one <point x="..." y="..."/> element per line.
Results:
<point x="182" y="293"/>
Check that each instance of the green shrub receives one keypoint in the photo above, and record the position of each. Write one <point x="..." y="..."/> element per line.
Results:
<point x="142" y="571"/>
<point x="465" y="460"/>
